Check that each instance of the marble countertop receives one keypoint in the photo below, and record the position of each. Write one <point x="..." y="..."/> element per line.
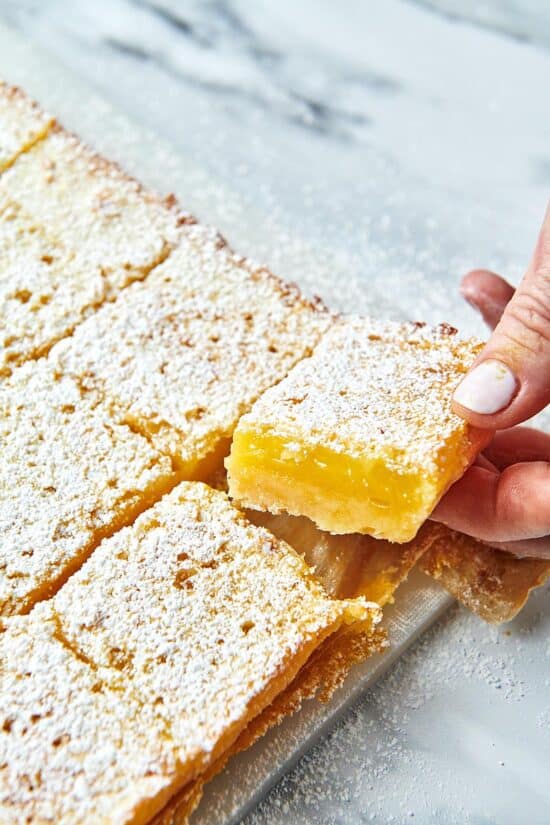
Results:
<point x="385" y="148"/>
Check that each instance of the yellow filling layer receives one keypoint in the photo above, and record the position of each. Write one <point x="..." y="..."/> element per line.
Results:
<point x="339" y="492"/>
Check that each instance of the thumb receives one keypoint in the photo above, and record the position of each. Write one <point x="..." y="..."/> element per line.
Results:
<point x="510" y="380"/>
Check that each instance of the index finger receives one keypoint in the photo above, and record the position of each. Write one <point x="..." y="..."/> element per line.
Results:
<point x="518" y="445"/>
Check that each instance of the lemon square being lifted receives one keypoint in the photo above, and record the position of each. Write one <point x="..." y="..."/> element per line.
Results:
<point x="360" y="437"/>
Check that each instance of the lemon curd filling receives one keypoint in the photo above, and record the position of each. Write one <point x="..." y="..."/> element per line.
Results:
<point x="339" y="492"/>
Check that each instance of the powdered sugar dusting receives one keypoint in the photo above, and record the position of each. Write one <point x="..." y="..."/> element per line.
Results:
<point x="44" y="290"/>
<point x="75" y="744"/>
<point x="171" y="636"/>
<point x="92" y="207"/>
<point x="183" y="354"/>
<point x="462" y="673"/>
<point x="67" y="473"/>
<point x="22" y="123"/>
<point x="373" y="388"/>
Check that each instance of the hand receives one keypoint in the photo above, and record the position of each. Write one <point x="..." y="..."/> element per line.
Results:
<point x="504" y="498"/>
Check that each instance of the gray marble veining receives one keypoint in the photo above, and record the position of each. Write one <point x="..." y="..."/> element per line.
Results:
<point x="368" y="130"/>
<point x="387" y="146"/>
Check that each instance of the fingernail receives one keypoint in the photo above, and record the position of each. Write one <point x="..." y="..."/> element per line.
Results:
<point x="487" y="389"/>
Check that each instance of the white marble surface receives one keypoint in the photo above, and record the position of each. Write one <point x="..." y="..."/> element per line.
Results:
<point x="384" y="147"/>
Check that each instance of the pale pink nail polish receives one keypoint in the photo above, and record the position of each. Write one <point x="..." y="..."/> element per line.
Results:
<point x="487" y="389"/>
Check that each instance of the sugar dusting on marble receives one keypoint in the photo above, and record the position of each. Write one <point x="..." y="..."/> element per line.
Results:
<point x="354" y="767"/>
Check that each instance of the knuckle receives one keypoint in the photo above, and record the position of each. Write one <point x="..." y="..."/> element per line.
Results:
<point x="527" y="318"/>
<point x="541" y="258"/>
<point x="542" y="269"/>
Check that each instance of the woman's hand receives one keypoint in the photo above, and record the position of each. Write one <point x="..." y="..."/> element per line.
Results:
<point x="504" y="498"/>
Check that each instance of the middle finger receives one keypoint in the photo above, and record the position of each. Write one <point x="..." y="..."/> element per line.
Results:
<point x="519" y="444"/>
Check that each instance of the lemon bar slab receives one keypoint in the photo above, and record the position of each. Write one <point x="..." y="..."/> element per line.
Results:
<point x="44" y="291"/>
<point x="360" y="437"/>
<point x="178" y="631"/>
<point x="192" y="587"/>
<point x="22" y="123"/>
<point x="75" y="745"/>
<point x="322" y="674"/>
<point x="181" y="355"/>
<point x="68" y="476"/>
<point x="491" y="583"/>
<point x="92" y="208"/>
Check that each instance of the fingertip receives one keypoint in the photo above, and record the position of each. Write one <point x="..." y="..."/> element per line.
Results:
<point x="497" y="421"/>
<point x="488" y="293"/>
<point x="518" y="444"/>
<point x="510" y="506"/>
<point x="494" y="396"/>
<point x="470" y="284"/>
<point x="470" y="281"/>
<point x="484" y="282"/>
<point x="487" y="389"/>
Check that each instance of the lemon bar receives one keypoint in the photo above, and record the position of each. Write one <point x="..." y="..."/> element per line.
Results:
<point x="193" y="564"/>
<point x="75" y="745"/>
<point x="181" y="355"/>
<point x="92" y="208"/>
<point x="324" y="671"/>
<point x="22" y="123"/>
<point x="360" y="437"/>
<point x="151" y="660"/>
<point x="489" y="582"/>
<point x="44" y="291"/>
<point x="69" y="475"/>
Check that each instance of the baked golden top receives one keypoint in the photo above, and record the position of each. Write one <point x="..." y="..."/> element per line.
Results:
<point x="75" y="745"/>
<point x="176" y="632"/>
<point x="217" y="592"/>
<point x="373" y="388"/>
<point x="44" y="290"/>
<point x="92" y="208"/>
<point x="68" y="473"/>
<point x="22" y="123"/>
<point x="183" y="354"/>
